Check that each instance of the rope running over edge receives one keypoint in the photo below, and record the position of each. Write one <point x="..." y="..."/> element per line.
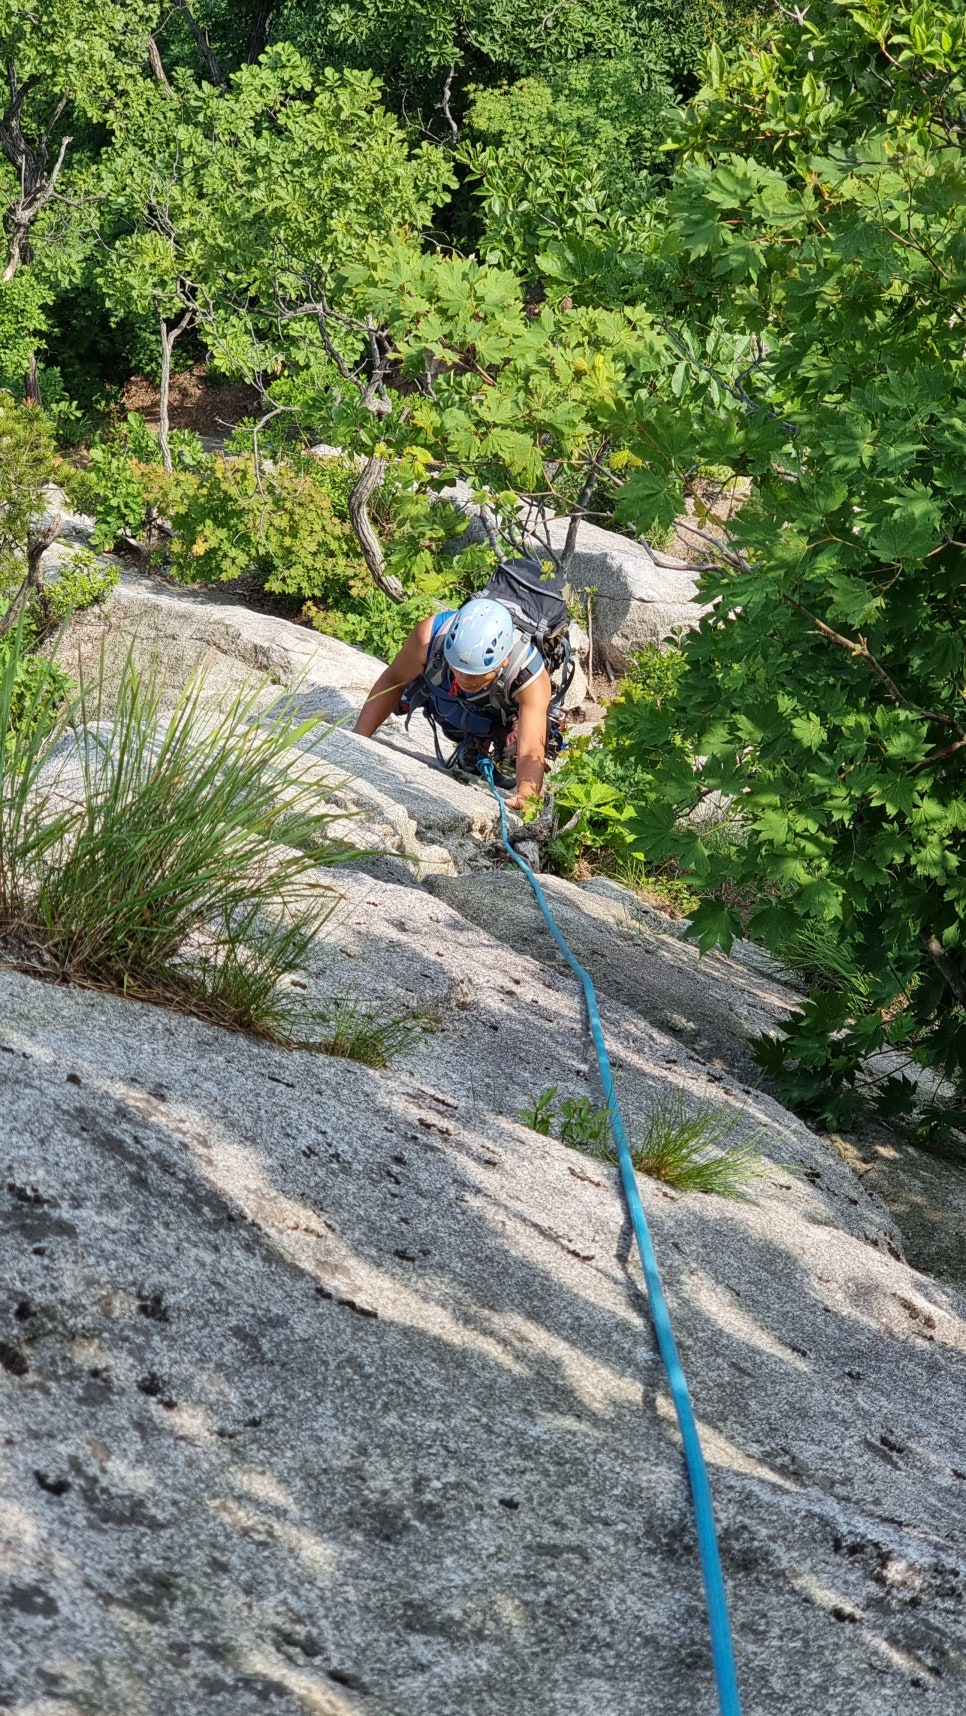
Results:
<point x="722" y="1649"/>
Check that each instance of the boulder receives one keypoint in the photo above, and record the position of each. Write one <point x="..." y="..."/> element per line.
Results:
<point x="635" y="601"/>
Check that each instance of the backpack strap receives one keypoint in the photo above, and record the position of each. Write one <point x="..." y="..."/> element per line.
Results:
<point x="501" y="690"/>
<point x="437" y="671"/>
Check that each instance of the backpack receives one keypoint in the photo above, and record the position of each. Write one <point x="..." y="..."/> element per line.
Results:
<point x="535" y="601"/>
<point x="536" y="604"/>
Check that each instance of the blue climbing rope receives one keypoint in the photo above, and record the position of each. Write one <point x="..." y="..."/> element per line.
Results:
<point x="722" y="1650"/>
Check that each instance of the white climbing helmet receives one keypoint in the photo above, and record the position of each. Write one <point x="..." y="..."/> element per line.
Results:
<point x="480" y="637"/>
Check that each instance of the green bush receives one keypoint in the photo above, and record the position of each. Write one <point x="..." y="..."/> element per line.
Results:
<point x="36" y="691"/>
<point x="283" y="520"/>
<point x="27" y="463"/>
<point x="286" y="521"/>
<point x="82" y="580"/>
<point x="113" y="486"/>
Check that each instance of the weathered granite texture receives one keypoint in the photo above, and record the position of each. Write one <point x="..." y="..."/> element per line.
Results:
<point x="332" y="1390"/>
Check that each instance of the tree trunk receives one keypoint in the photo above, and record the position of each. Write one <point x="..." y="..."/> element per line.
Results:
<point x="953" y="977"/>
<point x="259" y="36"/>
<point x="169" y="338"/>
<point x="31" y="383"/>
<point x="368" y="481"/>
<point x="37" y="547"/>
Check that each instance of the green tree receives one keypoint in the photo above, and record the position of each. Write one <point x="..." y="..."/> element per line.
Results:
<point x="813" y="257"/>
<point x="26" y="466"/>
<point x="66" y="65"/>
<point x="232" y="198"/>
<point x="565" y="156"/>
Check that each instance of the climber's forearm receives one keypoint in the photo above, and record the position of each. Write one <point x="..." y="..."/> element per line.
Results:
<point x="380" y="702"/>
<point x="533" y="704"/>
<point x="393" y="680"/>
<point x="530" y="773"/>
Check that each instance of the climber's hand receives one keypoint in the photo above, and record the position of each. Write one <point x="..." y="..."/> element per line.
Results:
<point x="521" y="800"/>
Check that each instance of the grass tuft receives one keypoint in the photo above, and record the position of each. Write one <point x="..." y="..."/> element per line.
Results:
<point x="350" y="1031"/>
<point x="694" y="1148"/>
<point x="691" y="1147"/>
<point x="169" y="856"/>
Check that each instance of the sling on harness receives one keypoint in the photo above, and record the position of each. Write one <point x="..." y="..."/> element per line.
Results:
<point x="475" y="721"/>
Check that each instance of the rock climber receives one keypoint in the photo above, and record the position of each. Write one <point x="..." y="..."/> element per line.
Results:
<point x="481" y="681"/>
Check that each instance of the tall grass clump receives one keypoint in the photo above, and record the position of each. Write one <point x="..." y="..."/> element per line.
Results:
<point x="172" y="856"/>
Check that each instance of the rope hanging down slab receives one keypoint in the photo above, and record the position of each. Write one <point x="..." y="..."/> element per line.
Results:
<point x="722" y="1650"/>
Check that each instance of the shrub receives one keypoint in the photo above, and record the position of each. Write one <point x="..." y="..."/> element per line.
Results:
<point x="82" y="580"/>
<point x="113" y="486"/>
<point x="27" y="463"/>
<point x="287" y="522"/>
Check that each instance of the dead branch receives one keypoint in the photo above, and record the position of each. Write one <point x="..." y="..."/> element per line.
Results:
<point x="169" y="338"/>
<point x="33" y="583"/>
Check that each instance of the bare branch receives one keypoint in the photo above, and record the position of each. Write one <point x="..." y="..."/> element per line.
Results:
<point x="37" y="547"/>
<point x="444" y="104"/>
<point x="583" y="499"/>
<point x="169" y="337"/>
<point x="154" y="61"/>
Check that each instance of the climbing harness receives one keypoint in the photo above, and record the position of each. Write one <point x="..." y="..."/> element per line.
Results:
<point x="722" y="1650"/>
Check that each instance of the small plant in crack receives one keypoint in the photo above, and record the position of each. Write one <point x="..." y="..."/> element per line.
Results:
<point x="692" y="1147"/>
<point x="352" y="1032"/>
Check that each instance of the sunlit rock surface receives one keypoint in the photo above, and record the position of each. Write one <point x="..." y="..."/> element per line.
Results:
<point x="328" y="1389"/>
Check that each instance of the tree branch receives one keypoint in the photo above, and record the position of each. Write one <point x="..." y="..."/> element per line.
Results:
<point x="859" y="647"/>
<point x="157" y="67"/>
<point x="20" y="215"/>
<point x="37" y="547"/>
<point x="363" y="490"/>
<point x="951" y="974"/>
<point x="444" y="104"/>
<point x="580" y="510"/>
<point x="203" y="45"/>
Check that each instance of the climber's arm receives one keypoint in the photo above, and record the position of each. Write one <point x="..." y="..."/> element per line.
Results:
<point x="533" y="703"/>
<point x="385" y="694"/>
